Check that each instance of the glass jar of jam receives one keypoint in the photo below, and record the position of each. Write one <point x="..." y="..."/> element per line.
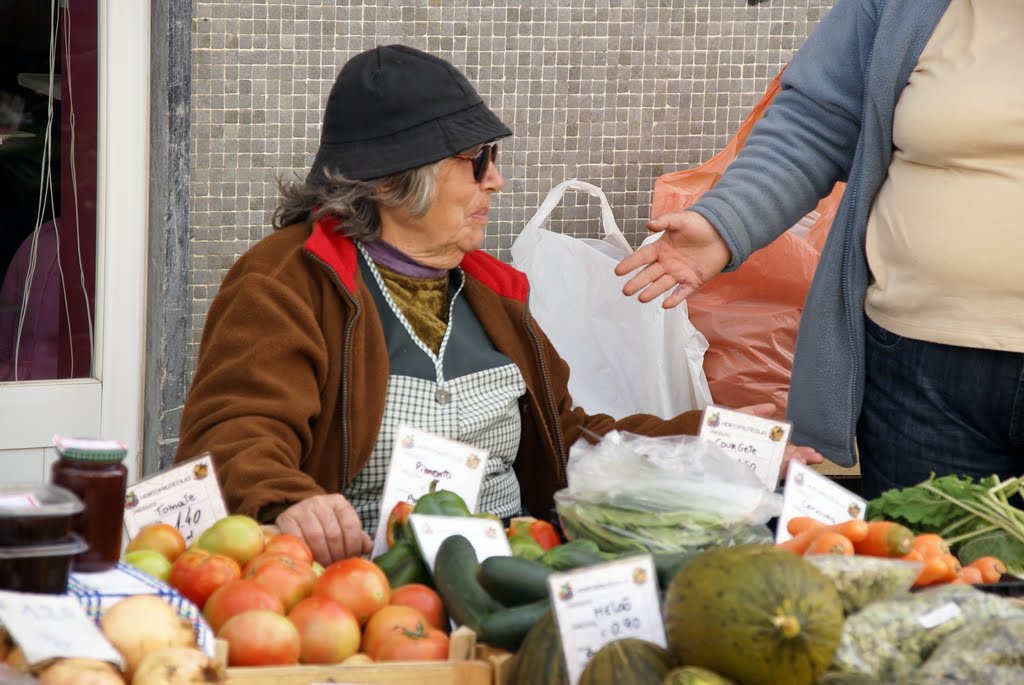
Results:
<point x="93" y="470"/>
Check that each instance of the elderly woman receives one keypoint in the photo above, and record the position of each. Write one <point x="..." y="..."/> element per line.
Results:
<point x="373" y="305"/>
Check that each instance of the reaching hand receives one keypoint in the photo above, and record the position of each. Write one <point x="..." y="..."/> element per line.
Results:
<point x="329" y="525"/>
<point x="689" y="254"/>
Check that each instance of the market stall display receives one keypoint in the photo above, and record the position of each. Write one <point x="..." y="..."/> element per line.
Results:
<point x="892" y="600"/>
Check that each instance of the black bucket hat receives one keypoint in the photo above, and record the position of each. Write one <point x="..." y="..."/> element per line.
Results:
<point x="395" y="108"/>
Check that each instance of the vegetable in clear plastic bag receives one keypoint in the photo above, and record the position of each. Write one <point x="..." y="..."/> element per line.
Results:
<point x="861" y="580"/>
<point x="665" y="494"/>
<point x="890" y="638"/>
<point x="987" y="652"/>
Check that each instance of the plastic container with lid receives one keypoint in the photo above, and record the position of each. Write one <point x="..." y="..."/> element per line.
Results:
<point x="36" y="513"/>
<point x="42" y="568"/>
<point x="94" y="471"/>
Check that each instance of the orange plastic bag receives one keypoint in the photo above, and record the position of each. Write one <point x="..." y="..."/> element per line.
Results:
<point x="750" y="316"/>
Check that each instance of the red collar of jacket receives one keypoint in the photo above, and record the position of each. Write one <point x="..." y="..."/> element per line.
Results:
<point x="339" y="253"/>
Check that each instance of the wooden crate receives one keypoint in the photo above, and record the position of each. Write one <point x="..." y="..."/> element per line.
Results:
<point x="462" y="668"/>
<point x="500" y="662"/>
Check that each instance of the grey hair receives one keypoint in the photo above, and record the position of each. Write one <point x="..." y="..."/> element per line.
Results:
<point x="356" y="203"/>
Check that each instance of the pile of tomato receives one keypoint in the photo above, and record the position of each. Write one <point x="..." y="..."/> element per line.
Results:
<point x="271" y="602"/>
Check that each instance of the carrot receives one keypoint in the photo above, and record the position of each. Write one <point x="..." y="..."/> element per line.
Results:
<point x="885" y="539"/>
<point x="992" y="568"/>
<point x="930" y="544"/>
<point x="913" y="555"/>
<point x="952" y="562"/>
<point x="798" y="544"/>
<point x="855" y="530"/>
<point x="802" y="524"/>
<point x="971" y="575"/>
<point x="935" y="571"/>
<point x="830" y="543"/>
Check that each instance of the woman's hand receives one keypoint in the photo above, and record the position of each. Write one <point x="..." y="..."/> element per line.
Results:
<point x="804" y="455"/>
<point x="689" y="254"/>
<point x="329" y="525"/>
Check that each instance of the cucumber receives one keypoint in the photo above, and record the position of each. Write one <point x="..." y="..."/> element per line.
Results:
<point x="507" y="628"/>
<point x="514" y="580"/>
<point x="455" y="567"/>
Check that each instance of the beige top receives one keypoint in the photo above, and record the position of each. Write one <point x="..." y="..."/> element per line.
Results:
<point x="945" y="240"/>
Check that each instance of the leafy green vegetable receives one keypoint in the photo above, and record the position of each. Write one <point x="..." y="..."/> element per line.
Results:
<point x="923" y="510"/>
<point x="996" y="543"/>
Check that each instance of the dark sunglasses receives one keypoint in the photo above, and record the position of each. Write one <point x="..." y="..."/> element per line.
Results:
<point x="481" y="160"/>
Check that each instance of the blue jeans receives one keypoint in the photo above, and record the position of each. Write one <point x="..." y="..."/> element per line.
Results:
<point x="931" y="407"/>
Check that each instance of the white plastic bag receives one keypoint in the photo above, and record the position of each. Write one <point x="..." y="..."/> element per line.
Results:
<point x="626" y="357"/>
<point x="664" y="494"/>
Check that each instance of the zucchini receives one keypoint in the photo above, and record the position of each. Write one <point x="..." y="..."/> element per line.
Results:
<point x="508" y="627"/>
<point x="514" y="580"/>
<point x="455" y="567"/>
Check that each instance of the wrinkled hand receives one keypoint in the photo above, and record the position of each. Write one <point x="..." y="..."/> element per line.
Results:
<point x="329" y="525"/>
<point x="804" y="455"/>
<point x="689" y="254"/>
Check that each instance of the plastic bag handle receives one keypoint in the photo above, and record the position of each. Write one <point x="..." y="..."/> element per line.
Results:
<point x="611" y="228"/>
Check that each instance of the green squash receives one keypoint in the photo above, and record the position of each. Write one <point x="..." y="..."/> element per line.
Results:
<point x="694" y="675"/>
<point x="539" y="659"/>
<point x="754" y="614"/>
<point x="628" y="661"/>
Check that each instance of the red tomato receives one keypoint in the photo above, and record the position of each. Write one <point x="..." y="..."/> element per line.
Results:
<point x="261" y="638"/>
<point x="289" y="546"/>
<point x="329" y="633"/>
<point x="414" y="646"/>
<point x="289" y="579"/>
<point x="355" y="583"/>
<point x="388" y="621"/>
<point x="196" y="573"/>
<point x="426" y="600"/>
<point x="236" y="596"/>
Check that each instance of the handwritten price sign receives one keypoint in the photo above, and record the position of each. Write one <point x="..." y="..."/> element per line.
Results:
<point x="598" y="604"/>
<point x="186" y="497"/>
<point x="419" y="458"/>
<point x="52" y="626"/>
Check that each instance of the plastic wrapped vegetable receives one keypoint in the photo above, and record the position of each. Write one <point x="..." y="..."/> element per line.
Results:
<point x="861" y="580"/>
<point x="889" y="639"/>
<point x="988" y="652"/>
<point x="669" y="494"/>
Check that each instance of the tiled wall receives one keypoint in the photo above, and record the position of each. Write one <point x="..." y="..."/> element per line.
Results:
<point x="615" y="92"/>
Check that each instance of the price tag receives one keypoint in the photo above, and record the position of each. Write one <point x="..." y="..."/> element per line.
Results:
<point x="418" y="459"/>
<point x="485" y="534"/>
<point x="808" y="493"/>
<point x="598" y="604"/>
<point x="53" y="626"/>
<point x="759" y="444"/>
<point x="186" y="496"/>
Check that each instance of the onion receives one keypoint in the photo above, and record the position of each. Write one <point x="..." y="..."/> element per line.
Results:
<point x="141" y="624"/>
<point x="80" y="672"/>
<point x="176" y="666"/>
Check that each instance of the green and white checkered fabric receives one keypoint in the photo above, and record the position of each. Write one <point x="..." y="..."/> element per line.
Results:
<point x="479" y="409"/>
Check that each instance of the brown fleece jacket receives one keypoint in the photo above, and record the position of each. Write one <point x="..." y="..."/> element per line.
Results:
<point x="289" y="391"/>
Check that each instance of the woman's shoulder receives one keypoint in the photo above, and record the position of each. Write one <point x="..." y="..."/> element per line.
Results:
<point x="503" y="279"/>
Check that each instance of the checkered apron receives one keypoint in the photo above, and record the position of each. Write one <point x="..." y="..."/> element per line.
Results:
<point x="479" y="408"/>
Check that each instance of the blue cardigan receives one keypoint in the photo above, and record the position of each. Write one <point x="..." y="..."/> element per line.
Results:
<point x="832" y="121"/>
